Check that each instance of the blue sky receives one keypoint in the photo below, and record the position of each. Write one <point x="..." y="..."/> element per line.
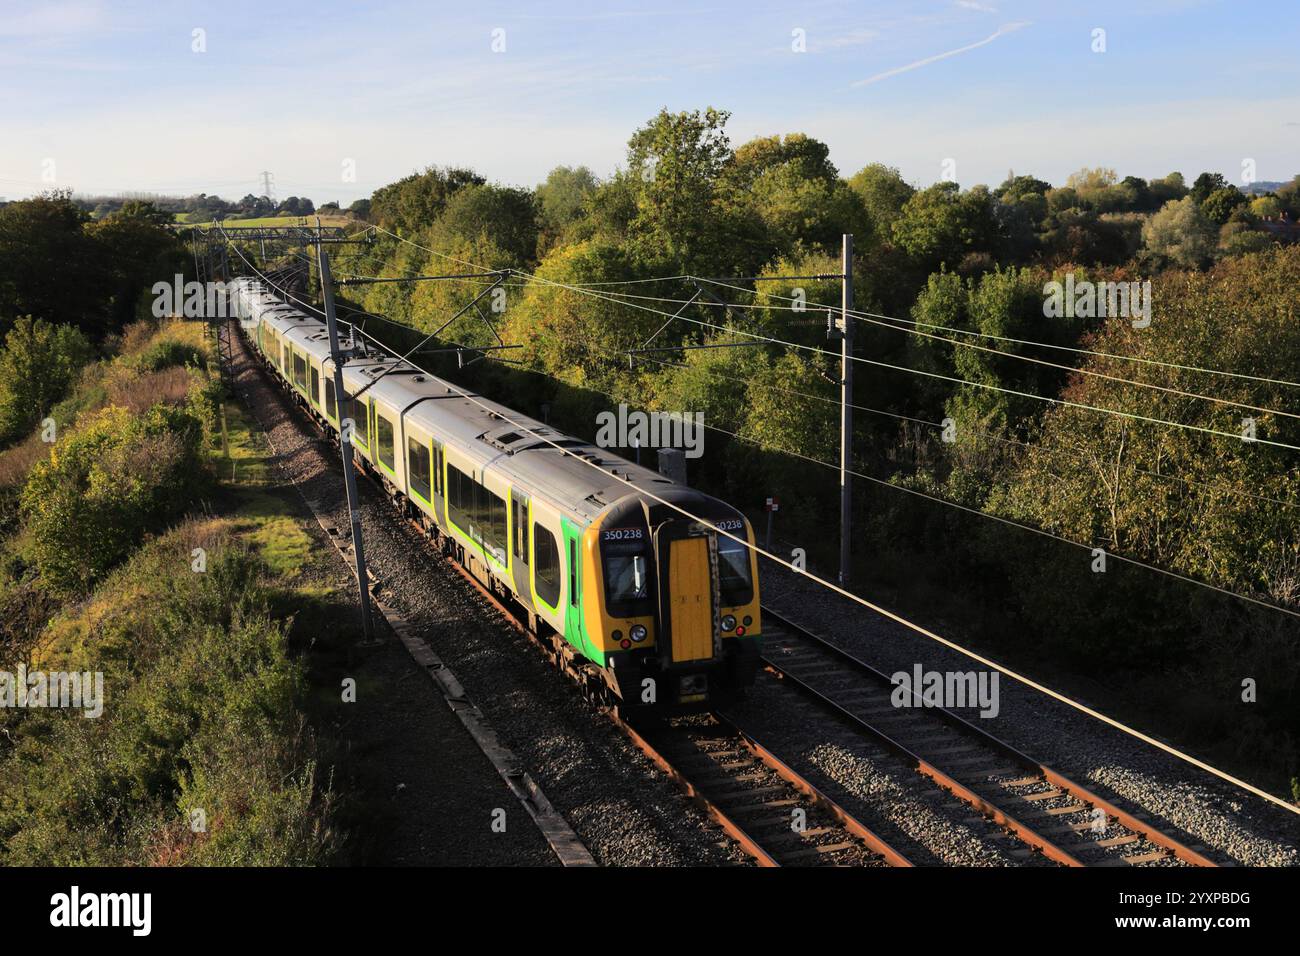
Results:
<point x="110" y="96"/>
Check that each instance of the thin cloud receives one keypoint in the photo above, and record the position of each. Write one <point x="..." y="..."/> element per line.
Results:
<point x="851" y="38"/>
<point x="52" y="19"/>
<point x="973" y="5"/>
<point x="1001" y="31"/>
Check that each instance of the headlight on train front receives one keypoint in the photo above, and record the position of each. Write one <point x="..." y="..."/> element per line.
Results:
<point x="637" y="633"/>
<point x="728" y="623"/>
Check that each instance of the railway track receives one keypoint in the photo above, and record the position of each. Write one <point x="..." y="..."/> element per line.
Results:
<point x="776" y="815"/>
<point x="1049" y="813"/>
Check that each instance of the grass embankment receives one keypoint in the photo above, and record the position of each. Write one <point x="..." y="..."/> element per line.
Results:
<point x="148" y="546"/>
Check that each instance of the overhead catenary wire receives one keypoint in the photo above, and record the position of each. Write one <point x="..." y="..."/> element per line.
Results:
<point x="1129" y="415"/>
<point x="937" y="375"/>
<point x="804" y="306"/>
<point x="1051" y="449"/>
<point x="1040" y="446"/>
<point x="1093" y="373"/>
<point x="890" y="322"/>
<point x="1045" y="345"/>
<point x="975" y="511"/>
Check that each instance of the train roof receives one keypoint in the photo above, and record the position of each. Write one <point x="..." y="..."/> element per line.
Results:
<point x="577" y="476"/>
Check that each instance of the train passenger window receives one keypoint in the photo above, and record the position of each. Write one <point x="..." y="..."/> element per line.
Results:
<point x="299" y="370"/>
<point x="384" y="442"/>
<point x="460" y="497"/>
<point x="417" y="467"/>
<point x="477" y="511"/>
<point x="360" y="416"/>
<point x="329" y="399"/>
<point x="546" y="566"/>
<point x="315" y="386"/>
<point x="495" y="536"/>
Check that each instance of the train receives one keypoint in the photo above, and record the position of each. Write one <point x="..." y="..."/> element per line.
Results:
<point x="654" y="610"/>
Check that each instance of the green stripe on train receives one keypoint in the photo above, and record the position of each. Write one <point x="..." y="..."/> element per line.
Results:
<point x="575" y="630"/>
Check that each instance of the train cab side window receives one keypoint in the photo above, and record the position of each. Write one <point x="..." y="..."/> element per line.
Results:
<point x="733" y="573"/>
<point x="573" y="573"/>
<point x="417" y="467"/>
<point x="384" y="442"/>
<point x="546" y="566"/>
<point x="329" y="399"/>
<point x="517" y="516"/>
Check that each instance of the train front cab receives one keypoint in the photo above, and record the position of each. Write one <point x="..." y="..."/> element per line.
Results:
<point x="690" y="595"/>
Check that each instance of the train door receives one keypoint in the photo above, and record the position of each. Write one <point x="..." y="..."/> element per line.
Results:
<point x="439" y="481"/>
<point x="519" y="546"/>
<point x="689" y="612"/>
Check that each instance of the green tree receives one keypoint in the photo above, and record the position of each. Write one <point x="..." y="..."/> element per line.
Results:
<point x="1219" y="205"/>
<point x="113" y="479"/>
<point x="941" y="224"/>
<point x="49" y="267"/>
<point x="415" y="201"/>
<point x="797" y="194"/>
<point x="562" y="199"/>
<point x="1180" y="235"/>
<point x="1205" y="184"/>
<point x="884" y="193"/>
<point x="1169" y="187"/>
<point x="676" y="161"/>
<point x="38" y="365"/>
<point x="1004" y="304"/>
<point x="1266" y="207"/>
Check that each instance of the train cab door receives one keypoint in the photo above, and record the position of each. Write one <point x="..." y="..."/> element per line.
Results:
<point x="519" y="547"/>
<point x="689" y="610"/>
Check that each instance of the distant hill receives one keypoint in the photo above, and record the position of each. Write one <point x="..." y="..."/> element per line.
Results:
<point x="1260" y="188"/>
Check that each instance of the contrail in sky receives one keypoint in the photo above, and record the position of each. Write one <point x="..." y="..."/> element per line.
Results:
<point x="1002" y="30"/>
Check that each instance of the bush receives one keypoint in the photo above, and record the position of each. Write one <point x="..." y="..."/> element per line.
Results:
<point x="38" y="365"/>
<point x="202" y="713"/>
<point x="167" y="353"/>
<point x="114" y="479"/>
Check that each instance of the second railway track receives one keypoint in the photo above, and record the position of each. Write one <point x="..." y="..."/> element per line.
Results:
<point x="1046" y="811"/>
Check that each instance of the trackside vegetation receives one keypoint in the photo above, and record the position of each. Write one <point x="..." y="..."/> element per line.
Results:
<point x="134" y="554"/>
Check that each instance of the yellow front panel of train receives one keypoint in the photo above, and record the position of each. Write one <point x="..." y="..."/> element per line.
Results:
<point x="690" y="599"/>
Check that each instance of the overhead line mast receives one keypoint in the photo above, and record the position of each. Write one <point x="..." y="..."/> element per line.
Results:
<point x="345" y="434"/>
